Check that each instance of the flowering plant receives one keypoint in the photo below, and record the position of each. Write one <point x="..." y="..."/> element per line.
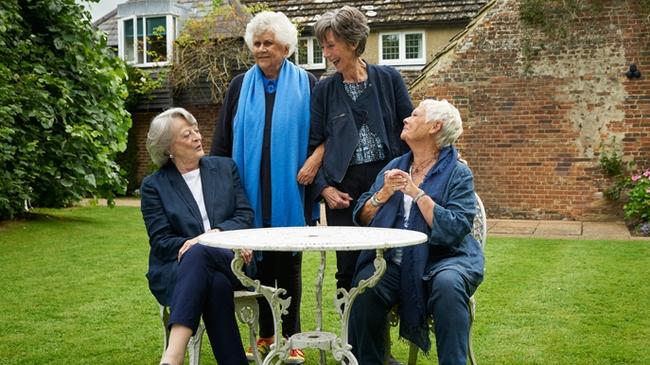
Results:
<point x="638" y="204"/>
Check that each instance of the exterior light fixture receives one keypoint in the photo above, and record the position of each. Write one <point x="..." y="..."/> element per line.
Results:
<point x="633" y="72"/>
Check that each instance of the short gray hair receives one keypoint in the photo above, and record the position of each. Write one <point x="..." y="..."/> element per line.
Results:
<point x="452" y="124"/>
<point x="278" y="23"/>
<point x="348" y="24"/>
<point x="159" y="137"/>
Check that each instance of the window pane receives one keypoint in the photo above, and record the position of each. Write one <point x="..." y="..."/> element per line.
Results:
<point x="140" y="42"/>
<point x="390" y="46"/>
<point x="413" y="45"/>
<point x="156" y="39"/>
<point x="302" y="52"/>
<point x="318" y="51"/>
<point x="128" y="40"/>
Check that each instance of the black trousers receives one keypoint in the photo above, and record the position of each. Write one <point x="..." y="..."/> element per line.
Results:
<point x="358" y="179"/>
<point x="204" y="286"/>
<point x="283" y="269"/>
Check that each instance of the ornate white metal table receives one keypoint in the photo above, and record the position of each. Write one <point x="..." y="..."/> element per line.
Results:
<point x="319" y="238"/>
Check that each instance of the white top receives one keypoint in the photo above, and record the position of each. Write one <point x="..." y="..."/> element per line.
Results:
<point x="319" y="238"/>
<point x="193" y="181"/>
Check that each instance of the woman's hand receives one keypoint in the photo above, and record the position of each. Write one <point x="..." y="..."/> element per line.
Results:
<point x="247" y="255"/>
<point x="335" y="198"/>
<point x="186" y="246"/>
<point x="409" y="188"/>
<point x="394" y="180"/>
<point x="309" y="169"/>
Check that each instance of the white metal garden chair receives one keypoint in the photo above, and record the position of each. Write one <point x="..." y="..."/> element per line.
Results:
<point x="479" y="231"/>
<point x="246" y="311"/>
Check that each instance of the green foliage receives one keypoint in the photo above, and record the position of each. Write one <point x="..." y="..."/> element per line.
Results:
<point x="140" y="85"/>
<point x="634" y="189"/>
<point x="610" y="163"/>
<point x="554" y="18"/>
<point x="613" y="167"/>
<point x="637" y="207"/>
<point x="62" y="116"/>
<point x="205" y="52"/>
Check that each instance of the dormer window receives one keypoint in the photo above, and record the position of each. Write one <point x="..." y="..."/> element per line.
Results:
<point x="309" y="54"/>
<point x="147" y="40"/>
<point x="402" y="48"/>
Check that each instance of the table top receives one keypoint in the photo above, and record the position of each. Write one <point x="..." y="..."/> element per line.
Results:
<point x="318" y="238"/>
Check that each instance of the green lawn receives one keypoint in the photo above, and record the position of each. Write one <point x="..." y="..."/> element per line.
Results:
<point x="74" y="292"/>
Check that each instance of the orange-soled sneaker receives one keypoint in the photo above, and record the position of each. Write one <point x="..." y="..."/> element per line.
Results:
<point x="296" y="356"/>
<point x="263" y="348"/>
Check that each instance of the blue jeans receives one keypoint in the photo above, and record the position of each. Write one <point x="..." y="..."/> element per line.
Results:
<point x="447" y="303"/>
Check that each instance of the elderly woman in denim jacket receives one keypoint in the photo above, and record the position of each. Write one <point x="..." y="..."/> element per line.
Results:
<point x="430" y="191"/>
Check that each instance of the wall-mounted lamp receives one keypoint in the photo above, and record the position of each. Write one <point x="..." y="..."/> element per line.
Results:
<point x="633" y="72"/>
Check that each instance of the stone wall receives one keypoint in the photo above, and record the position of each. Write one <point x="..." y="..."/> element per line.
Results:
<point x="539" y="106"/>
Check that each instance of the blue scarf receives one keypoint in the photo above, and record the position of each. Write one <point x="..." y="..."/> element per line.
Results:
<point x="412" y="307"/>
<point x="289" y="138"/>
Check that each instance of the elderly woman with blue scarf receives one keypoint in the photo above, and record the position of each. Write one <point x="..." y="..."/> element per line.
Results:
<point x="431" y="191"/>
<point x="264" y="125"/>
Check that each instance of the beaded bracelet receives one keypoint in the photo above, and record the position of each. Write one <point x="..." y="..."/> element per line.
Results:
<point x="375" y="202"/>
<point x="418" y="196"/>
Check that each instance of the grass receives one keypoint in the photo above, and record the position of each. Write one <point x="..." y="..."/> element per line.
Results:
<point x="74" y="292"/>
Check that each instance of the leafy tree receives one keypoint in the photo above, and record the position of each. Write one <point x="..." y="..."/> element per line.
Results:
<point x="204" y="51"/>
<point x="62" y="116"/>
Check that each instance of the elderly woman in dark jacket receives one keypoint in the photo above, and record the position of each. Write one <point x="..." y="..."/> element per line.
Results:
<point x="358" y="114"/>
<point x="430" y="191"/>
<point x="189" y="195"/>
<point x="264" y="126"/>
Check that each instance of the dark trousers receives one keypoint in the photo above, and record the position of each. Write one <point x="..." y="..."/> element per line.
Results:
<point x="204" y="286"/>
<point x="284" y="270"/>
<point x="358" y="179"/>
<point x="447" y="303"/>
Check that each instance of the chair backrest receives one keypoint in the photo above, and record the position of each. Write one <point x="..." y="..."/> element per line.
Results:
<point x="479" y="231"/>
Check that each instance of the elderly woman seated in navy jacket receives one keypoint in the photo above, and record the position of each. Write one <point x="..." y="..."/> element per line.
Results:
<point x="189" y="195"/>
<point x="430" y="191"/>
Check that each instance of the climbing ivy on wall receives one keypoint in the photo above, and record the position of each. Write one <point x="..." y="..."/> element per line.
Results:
<point x="553" y="18"/>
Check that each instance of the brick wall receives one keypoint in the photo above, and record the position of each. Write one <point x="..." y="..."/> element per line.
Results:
<point x="206" y="115"/>
<point x="537" y="109"/>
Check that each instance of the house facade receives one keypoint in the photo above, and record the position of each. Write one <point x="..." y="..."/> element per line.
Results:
<point x="544" y="99"/>
<point x="404" y="34"/>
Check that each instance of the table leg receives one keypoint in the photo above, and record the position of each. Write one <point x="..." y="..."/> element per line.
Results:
<point x="319" y="300"/>
<point x="344" y="301"/>
<point x="278" y="306"/>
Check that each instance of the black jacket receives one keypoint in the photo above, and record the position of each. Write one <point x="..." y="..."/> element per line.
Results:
<point x="385" y="104"/>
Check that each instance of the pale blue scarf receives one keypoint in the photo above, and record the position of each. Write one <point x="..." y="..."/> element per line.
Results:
<point x="289" y="139"/>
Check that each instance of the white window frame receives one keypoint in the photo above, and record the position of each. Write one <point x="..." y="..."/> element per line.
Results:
<point x="402" y="60"/>
<point x="171" y="34"/>
<point x="310" y="65"/>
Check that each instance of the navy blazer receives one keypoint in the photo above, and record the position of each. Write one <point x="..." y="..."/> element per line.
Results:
<point x="172" y="216"/>
<point x="386" y="103"/>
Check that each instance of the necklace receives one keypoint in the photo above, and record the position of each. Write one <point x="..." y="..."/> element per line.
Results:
<point x="416" y="169"/>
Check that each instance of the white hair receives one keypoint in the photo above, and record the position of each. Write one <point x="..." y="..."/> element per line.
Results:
<point x="452" y="125"/>
<point x="277" y="23"/>
<point x="159" y="137"/>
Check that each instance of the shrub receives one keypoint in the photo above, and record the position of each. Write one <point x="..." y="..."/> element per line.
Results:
<point x="62" y="116"/>
<point x="637" y="207"/>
